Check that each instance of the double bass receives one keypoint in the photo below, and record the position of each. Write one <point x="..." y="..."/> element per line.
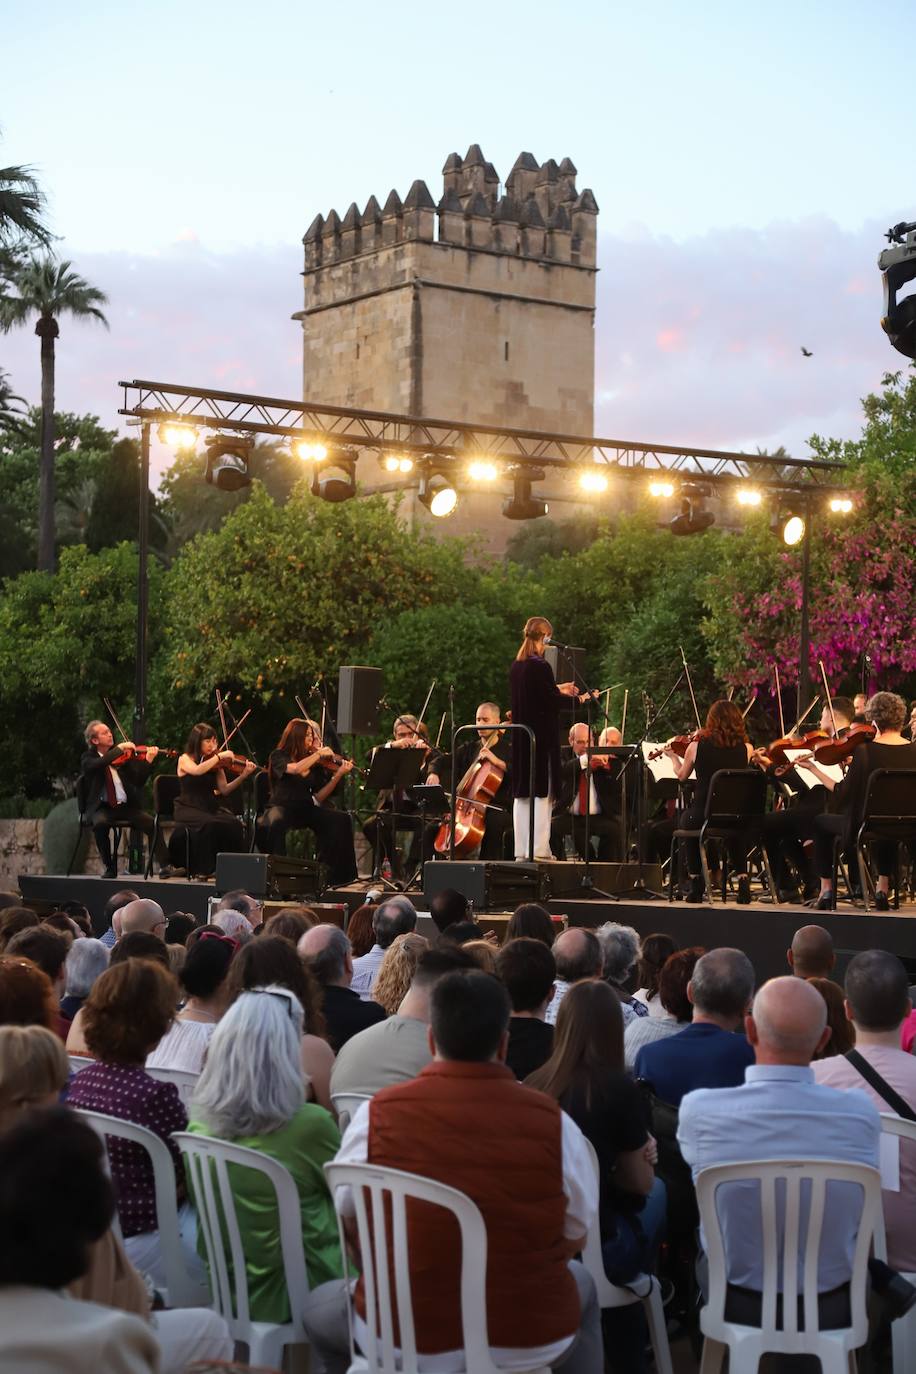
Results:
<point x="476" y="791"/>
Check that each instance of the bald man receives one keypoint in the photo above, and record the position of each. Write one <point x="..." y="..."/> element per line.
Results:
<point x="780" y="1112"/>
<point x="578" y="958"/>
<point x="811" y="954"/>
<point x="595" y="790"/>
<point x="144" y="915"/>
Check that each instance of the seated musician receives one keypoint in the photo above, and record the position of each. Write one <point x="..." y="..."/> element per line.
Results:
<point x="596" y="789"/>
<point x="113" y="796"/>
<point x="213" y="828"/>
<point x="396" y="810"/>
<point x="303" y="775"/>
<point x="789" y="832"/>
<point x="495" y="748"/>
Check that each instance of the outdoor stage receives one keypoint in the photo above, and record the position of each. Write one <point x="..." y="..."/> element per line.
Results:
<point x="764" y="932"/>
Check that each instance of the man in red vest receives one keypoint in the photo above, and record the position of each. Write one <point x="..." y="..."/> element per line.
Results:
<point x="465" y="1121"/>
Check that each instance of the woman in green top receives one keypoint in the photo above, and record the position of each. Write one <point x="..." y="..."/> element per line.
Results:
<point x="252" y="1092"/>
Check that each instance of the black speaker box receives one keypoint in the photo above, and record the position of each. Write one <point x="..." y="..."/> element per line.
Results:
<point x="266" y="875"/>
<point x="564" y="880"/>
<point x="359" y="692"/>
<point x="567" y="666"/>
<point x="489" y="885"/>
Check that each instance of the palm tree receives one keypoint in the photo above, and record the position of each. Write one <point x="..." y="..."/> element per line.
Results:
<point x="12" y="407"/>
<point x="48" y="289"/>
<point x="22" y="205"/>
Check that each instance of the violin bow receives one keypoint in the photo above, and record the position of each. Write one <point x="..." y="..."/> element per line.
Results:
<point x="302" y="711"/>
<point x="696" y="710"/>
<point x="804" y="717"/>
<point x="441" y="728"/>
<point x="744" y="713"/>
<point x="820" y="664"/>
<point x="237" y="728"/>
<point x="782" y="719"/>
<point x="222" y="717"/>
<point x="117" y="724"/>
<point x="432" y="687"/>
<point x="623" y="718"/>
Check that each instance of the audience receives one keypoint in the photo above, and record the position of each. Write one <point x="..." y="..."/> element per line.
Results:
<point x="533" y="922"/>
<point x="86" y="959"/>
<point x="80" y="914"/>
<point x="877" y="1003"/>
<point x="272" y="960"/>
<point x="811" y="953"/>
<point x="252" y="1092"/>
<point x="707" y="1053"/>
<point x="326" y="950"/>
<point x="204" y="979"/>
<point x="396" y="916"/>
<point x="291" y="923"/>
<point x="483" y="952"/>
<point x="359" y="930"/>
<point x="12" y="920"/>
<point x="447" y="908"/>
<point x="178" y="927"/>
<point x="654" y="951"/>
<point x="48" y="949"/>
<point x="111" y="915"/>
<point x="398" y="1047"/>
<point x="527" y="969"/>
<point x="842" y="1032"/>
<point x="64" y="924"/>
<point x="578" y="957"/>
<point x="26" y="994"/>
<point x="396" y="971"/>
<point x="249" y="907"/>
<point x="585" y="1074"/>
<point x="620" y="954"/>
<point x="466" y="1122"/>
<point x="461" y="932"/>
<point x="674" y="1011"/>
<point x="233" y="924"/>
<point x="142" y="915"/>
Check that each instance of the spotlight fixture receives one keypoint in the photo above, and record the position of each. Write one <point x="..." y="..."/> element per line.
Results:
<point x="793" y="531"/>
<point x="521" y="505"/>
<point x="396" y="462"/>
<point x="661" y="488"/>
<point x="335" y="479"/>
<point x="841" y="505"/>
<point x="749" y="496"/>
<point x="180" y="437"/>
<point x="227" y="462"/>
<point x="483" y="470"/>
<point x="437" y="492"/>
<point x="310" y="450"/>
<point x="693" y="518"/>
<point x="592" y="480"/>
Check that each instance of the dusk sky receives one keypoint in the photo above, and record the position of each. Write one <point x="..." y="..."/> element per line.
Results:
<point x="746" y="161"/>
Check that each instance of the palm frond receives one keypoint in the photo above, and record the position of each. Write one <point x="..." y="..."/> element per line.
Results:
<point x="22" y="205"/>
<point x="50" y="288"/>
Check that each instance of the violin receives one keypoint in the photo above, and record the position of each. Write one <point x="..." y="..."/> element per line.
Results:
<point x="678" y="744"/>
<point x="844" y="744"/>
<point x="235" y="766"/>
<point x="334" y="761"/>
<point x="775" y="754"/>
<point x="139" y="752"/>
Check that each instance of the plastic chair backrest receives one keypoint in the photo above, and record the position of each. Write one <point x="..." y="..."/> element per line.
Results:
<point x="345" y="1105"/>
<point x="80" y="1061"/>
<point x="735" y="795"/>
<point x="183" y="1289"/>
<point x="379" y="1199"/>
<point x="185" y="1082"/>
<point x="788" y="1178"/>
<point x="608" y="1294"/>
<point x="207" y="1161"/>
<point x="890" y="801"/>
<point x="166" y="787"/>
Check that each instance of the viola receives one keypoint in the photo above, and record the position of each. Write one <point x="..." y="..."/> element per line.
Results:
<point x="476" y="791"/>
<point x="844" y="744"/>
<point x="139" y="752"/>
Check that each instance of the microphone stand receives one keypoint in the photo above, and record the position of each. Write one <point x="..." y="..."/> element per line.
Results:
<point x="639" y="888"/>
<point x="585" y="882"/>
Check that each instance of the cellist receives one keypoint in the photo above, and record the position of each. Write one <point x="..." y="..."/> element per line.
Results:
<point x="491" y="746"/>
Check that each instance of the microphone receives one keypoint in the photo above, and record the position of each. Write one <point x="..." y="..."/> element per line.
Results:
<point x="558" y="643"/>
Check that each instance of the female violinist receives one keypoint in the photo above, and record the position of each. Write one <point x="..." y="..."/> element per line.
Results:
<point x="214" y="829"/>
<point x="303" y="773"/>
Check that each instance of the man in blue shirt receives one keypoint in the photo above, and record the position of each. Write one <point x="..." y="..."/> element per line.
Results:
<point x="707" y="1053"/>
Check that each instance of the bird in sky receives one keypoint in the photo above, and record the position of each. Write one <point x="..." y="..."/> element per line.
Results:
<point x="806" y="352"/>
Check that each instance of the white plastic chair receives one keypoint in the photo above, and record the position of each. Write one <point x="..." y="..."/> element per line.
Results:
<point x="345" y="1105"/>
<point x="206" y="1163"/>
<point x="80" y="1061"/>
<point x="182" y="1288"/>
<point x="903" y="1330"/>
<point x="390" y="1189"/>
<point x="185" y="1082"/>
<point x="747" y="1344"/>
<point x="645" y="1288"/>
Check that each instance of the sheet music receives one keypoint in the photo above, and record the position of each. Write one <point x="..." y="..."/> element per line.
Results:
<point x="662" y="768"/>
<point x="833" y="770"/>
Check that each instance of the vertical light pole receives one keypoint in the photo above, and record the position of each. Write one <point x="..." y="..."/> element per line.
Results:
<point x="142" y="589"/>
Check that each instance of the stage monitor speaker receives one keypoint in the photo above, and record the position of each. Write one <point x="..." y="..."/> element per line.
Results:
<point x="266" y="875"/>
<point x="359" y="694"/>
<point x="489" y="885"/>
<point x="563" y="881"/>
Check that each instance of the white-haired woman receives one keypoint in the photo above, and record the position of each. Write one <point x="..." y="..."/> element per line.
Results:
<point x="85" y="961"/>
<point x="252" y="1092"/>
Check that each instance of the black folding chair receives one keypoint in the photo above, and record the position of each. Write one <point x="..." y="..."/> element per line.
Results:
<point x="889" y="813"/>
<point x="165" y="794"/>
<point x="85" y="822"/>
<point x="735" y="808"/>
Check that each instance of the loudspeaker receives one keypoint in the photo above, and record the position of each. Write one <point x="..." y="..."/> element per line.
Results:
<point x="566" y="664"/>
<point x="359" y="692"/>
<point x="266" y="875"/>
<point x="564" y="880"/>
<point x="489" y="885"/>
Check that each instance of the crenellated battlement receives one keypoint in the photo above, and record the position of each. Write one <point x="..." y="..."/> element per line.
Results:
<point x="538" y="215"/>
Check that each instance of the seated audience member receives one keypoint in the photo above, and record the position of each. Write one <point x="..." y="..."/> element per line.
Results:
<point x="359" y="930"/>
<point x="272" y="959"/>
<point x="620" y="952"/>
<point x="177" y="956"/>
<point x="48" y="949"/>
<point x="527" y="969"/>
<point x="139" y="944"/>
<point x="577" y="954"/>
<point x="143" y="915"/>
<point x="33" y="1073"/>
<point x="483" y="952"/>
<point x="586" y="1075"/>
<point x="86" y="959"/>
<point x="252" y="1092"/>
<point x="233" y="924"/>
<point x="326" y="950"/>
<point x="396" y="916"/>
<point x="250" y="907"/>
<point x="80" y="914"/>
<point x="110" y="916"/>
<point x="12" y="920"/>
<point x="675" y="1009"/>
<point x="447" y="908"/>
<point x="842" y="1032"/>
<point x="9" y="899"/>
<point x="398" y="1047"/>
<point x="26" y="994"/>
<point x="203" y="977"/>
<point x="533" y="922"/>
<point x="291" y="923"/>
<point x="396" y="971"/>
<point x="707" y="1053"/>
<point x="462" y="932"/>
<point x="781" y="1112"/>
<point x="63" y="924"/>
<point x="465" y="1122"/>
<point x="178" y="927"/>
<point x="56" y="1202"/>
<point x="877" y="1003"/>
<point x="654" y="950"/>
<point x="811" y="953"/>
<point x="126" y="1015"/>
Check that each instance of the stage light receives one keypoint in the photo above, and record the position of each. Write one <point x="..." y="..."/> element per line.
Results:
<point x="181" y="438"/>
<point x="748" y="496"/>
<point x="660" y="488"/>
<point x="483" y="470"/>
<point x="397" y="462"/>
<point x="693" y="517"/>
<point x="521" y="505"/>
<point x="227" y="463"/>
<point x="793" y="531"/>
<point x="437" y="493"/>
<point x="591" y="481"/>
<point x="310" y="450"/>
<point x="841" y="505"/>
<point x="335" y="479"/>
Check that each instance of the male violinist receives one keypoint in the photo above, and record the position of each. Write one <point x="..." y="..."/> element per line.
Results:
<point x="113" y="796"/>
<point x="595" y="790"/>
<point x="395" y="810"/>
<point x="492" y="747"/>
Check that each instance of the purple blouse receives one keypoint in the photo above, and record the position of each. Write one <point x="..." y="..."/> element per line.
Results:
<point x="133" y="1095"/>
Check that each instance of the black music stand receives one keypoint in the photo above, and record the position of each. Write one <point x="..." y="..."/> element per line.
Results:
<point x="431" y="797"/>
<point x="639" y="888"/>
<point x="392" y="770"/>
<point x="585" y="882"/>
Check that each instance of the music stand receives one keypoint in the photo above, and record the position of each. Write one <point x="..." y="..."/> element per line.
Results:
<point x="395" y="771"/>
<point x="430" y="797"/>
<point x="585" y="882"/>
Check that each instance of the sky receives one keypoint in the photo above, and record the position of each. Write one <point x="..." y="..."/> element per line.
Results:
<point x="746" y="162"/>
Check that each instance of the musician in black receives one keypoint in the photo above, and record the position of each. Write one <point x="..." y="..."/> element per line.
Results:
<point x="303" y="775"/>
<point x="113" y="796"/>
<point x="497" y="751"/>
<point x="596" y="790"/>
<point x="395" y="810"/>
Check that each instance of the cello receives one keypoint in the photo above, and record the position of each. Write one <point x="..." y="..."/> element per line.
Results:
<point x="476" y="791"/>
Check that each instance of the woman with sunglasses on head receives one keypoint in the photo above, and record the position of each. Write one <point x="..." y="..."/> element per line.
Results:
<point x="203" y="978"/>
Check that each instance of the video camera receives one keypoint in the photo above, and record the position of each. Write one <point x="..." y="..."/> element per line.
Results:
<point x="898" y="265"/>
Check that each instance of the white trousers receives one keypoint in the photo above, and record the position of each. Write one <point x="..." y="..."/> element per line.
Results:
<point x="521" y="814"/>
<point x="187" y="1334"/>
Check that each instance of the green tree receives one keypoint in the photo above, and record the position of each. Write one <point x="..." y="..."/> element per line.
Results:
<point x="535" y="540"/>
<point x="190" y="506"/>
<point x="882" y="461"/>
<point x="48" y="289"/>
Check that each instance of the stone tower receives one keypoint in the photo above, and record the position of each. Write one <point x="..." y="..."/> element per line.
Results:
<point x="480" y="308"/>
